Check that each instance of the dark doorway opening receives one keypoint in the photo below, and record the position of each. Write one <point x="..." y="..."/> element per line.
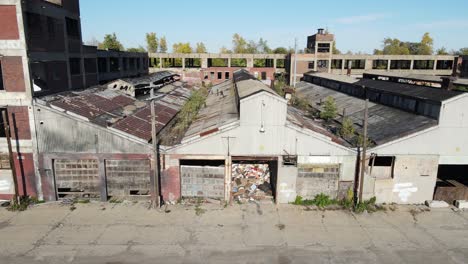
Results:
<point x="452" y="183"/>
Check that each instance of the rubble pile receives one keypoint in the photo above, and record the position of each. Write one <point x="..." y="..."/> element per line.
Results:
<point x="251" y="182"/>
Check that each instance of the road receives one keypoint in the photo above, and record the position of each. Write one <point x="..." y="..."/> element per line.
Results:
<point x="131" y="233"/>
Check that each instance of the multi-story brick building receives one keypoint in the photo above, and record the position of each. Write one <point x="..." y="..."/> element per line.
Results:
<point x="41" y="52"/>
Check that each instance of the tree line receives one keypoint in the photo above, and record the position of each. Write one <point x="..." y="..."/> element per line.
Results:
<point x="391" y="46"/>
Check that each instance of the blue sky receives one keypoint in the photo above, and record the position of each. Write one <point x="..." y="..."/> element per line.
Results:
<point x="358" y="25"/>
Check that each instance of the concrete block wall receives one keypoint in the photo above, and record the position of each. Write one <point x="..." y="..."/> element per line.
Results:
<point x="202" y="181"/>
<point x="124" y="176"/>
<point x="78" y="174"/>
<point x="314" y="179"/>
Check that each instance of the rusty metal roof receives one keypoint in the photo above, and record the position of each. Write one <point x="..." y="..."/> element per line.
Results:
<point x="113" y="109"/>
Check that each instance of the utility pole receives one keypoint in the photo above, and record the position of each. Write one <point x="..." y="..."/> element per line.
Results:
<point x="154" y="139"/>
<point x="6" y="125"/>
<point x="295" y="63"/>
<point x="364" y="146"/>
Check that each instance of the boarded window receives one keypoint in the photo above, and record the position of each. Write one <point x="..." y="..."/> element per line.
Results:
<point x="381" y="167"/>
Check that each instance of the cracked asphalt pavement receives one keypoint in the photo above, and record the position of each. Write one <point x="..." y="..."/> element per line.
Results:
<point x="250" y="233"/>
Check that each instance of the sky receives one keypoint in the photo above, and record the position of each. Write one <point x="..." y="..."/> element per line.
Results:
<point x="359" y="26"/>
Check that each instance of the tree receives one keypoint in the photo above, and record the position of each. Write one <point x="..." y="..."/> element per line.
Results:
<point x="224" y="50"/>
<point x="200" y="48"/>
<point x="334" y="49"/>
<point x="93" y="42"/>
<point x="397" y="47"/>
<point x="462" y="51"/>
<point x="139" y="49"/>
<point x="163" y="45"/>
<point x="442" y="51"/>
<point x="280" y="50"/>
<point x="111" y="42"/>
<point x="347" y="128"/>
<point x="182" y="48"/>
<point x="239" y="44"/>
<point x="152" y="42"/>
<point x="425" y="47"/>
<point x="263" y="47"/>
<point x="329" y="109"/>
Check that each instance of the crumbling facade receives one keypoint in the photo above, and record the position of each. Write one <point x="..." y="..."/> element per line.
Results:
<point x="41" y="53"/>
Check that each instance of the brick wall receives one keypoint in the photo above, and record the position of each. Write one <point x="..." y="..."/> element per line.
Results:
<point x="13" y="75"/>
<point x="25" y="174"/>
<point x="19" y="122"/>
<point x="8" y="22"/>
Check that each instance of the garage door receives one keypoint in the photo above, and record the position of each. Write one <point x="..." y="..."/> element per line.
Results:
<point x="128" y="177"/>
<point x="202" y="181"/>
<point x="77" y="178"/>
<point x="313" y="179"/>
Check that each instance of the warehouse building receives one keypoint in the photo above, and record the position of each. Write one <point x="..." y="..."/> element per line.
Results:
<point x="417" y="134"/>
<point x="95" y="143"/>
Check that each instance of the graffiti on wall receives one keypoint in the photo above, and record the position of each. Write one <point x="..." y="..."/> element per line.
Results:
<point x="404" y="190"/>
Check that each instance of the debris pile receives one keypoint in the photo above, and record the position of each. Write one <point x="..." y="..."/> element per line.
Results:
<point x="251" y="182"/>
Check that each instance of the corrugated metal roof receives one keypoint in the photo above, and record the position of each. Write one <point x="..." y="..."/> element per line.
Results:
<point x="385" y="123"/>
<point x="220" y="109"/>
<point x="247" y="84"/>
<point x="415" y="91"/>
<point x="114" y="109"/>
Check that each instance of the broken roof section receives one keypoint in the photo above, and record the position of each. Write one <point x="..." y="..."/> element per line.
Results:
<point x="115" y="110"/>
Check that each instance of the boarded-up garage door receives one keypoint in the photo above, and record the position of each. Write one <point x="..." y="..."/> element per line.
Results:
<point x="77" y="178"/>
<point x="128" y="177"/>
<point x="202" y="181"/>
<point x="314" y="179"/>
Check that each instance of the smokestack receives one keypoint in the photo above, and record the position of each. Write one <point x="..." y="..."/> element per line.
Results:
<point x="447" y="83"/>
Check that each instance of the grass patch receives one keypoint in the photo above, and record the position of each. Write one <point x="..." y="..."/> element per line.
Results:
<point x="198" y="210"/>
<point x="24" y="203"/>
<point x="83" y="201"/>
<point x="320" y="200"/>
<point x="367" y="205"/>
<point x="115" y="200"/>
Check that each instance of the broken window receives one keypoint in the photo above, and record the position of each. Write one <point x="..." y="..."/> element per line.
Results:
<point x="114" y="64"/>
<point x="75" y="66"/>
<point x="73" y="27"/>
<point x="1" y="77"/>
<point x="226" y="75"/>
<point x="336" y="64"/>
<point x="381" y="167"/>
<point x="323" y="47"/>
<point x="220" y="75"/>
<point x="102" y="65"/>
<point x="90" y="65"/>
<point x="264" y="75"/>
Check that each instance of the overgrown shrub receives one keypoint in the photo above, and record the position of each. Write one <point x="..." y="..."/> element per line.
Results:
<point x="329" y="110"/>
<point x="24" y="203"/>
<point x="367" y="205"/>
